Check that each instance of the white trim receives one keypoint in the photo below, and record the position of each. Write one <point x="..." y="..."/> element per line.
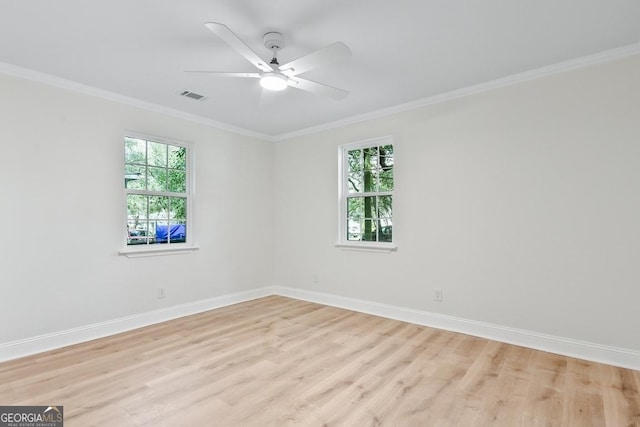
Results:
<point x="54" y="340"/>
<point x="343" y="194"/>
<point x="617" y="356"/>
<point x="189" y="194"/>
<point x="366" y="246"/>
<point x="598" y="58"/>
<point x="561" y="67"/>
<point x="36" y="76"/>
<point x="372" y="142"/>
<point x="140" y="251"/>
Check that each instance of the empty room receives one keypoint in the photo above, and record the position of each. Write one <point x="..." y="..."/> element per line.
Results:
<point x="320" y="213"/>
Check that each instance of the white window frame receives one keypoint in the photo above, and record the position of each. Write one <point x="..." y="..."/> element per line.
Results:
<point x="134" y="251"/>
<point x="343" y="192"/>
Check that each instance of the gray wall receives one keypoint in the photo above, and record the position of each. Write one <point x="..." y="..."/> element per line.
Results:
<point x="62" y="216"/>
<point x="522" y="204"/>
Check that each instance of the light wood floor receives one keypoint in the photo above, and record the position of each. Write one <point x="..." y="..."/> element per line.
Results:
<point x="282" y="362"/>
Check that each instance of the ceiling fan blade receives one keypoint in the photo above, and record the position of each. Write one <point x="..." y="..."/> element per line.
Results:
<point x="234" y="41"/>
<point x="225" y="74"/>
<point x="334" y="52"/>
<point x="317" y="88"/>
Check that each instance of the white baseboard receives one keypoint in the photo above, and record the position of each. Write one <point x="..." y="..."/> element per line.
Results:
<point x="626" y="358"/>
<point x="25" y="347"/>
<point x="616" y="356"/>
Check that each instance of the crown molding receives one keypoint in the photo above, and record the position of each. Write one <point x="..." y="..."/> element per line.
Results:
<point x="561" y="67"/>
<point x="47" y="79"/>
<point x="602" y="57"/>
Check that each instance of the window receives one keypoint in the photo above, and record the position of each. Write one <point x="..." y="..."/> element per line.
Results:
<point x="157" y="188"/>
<point x="366" y="194"/>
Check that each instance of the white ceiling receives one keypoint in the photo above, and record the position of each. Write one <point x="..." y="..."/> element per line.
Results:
<point x="403" y="51"/>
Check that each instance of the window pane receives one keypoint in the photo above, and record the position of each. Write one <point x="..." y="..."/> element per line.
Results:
<point x="354" y="228"/>
<point x="178" y="232"/>
<point x="137" y="224"/>
<point x="157" y="179"/>
<point x="135" y="151"/>
<point x="155" y="168"/>
<point x="369" y="170"/>
<point x="386" y="180"/>
<point x="369" y="207"/>
<point x="369" y="181"/>
<point x="386" y="156"/>
<point x="161" y="231"/>
<point x="171" y="232"/>
<point x="140" y="235"/>
<point x="386" y="232"/>
<point x="157" y="154"/>
<point x="355" y="160"/>
<point x="178" y="209"/>
<point x="356" y="181"/>
<point x="177" y="157"/>
<point x="370" y="166"/>
<point x="369" y="232"/>
<point x="371" y="158"/>
<point x="385" y="207"/>
<point x="177" y="181"/>
<point x="136" y="208"/>
<point x="159" y="208"/>
<point x="135" y="177"/>
<point x="355" y="207"/>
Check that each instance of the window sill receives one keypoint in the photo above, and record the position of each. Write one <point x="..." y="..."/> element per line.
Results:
<point x="367" y="247"/>
<point x="152" y="250"/>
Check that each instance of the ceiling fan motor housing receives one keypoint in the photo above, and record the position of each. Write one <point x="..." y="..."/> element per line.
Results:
<point x="274" y="41"/>
<point x="276" y="77"/>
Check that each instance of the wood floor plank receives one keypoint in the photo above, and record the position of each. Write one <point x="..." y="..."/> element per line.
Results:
<point x="277" y="361"/>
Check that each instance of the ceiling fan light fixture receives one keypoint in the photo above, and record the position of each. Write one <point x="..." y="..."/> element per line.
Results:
<point x="276" y="77"/>
<point x="273" y="81"/>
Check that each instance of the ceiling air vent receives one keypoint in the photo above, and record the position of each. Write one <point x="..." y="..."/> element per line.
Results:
<point x="193" y="95"/>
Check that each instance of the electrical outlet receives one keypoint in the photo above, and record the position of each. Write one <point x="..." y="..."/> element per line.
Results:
<point x="314" y="278"/>
<point x="161" y="293"/>
<point x="437" y="295"/>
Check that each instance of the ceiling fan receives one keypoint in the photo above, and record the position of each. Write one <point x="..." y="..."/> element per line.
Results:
<point x="276" y="77"/>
